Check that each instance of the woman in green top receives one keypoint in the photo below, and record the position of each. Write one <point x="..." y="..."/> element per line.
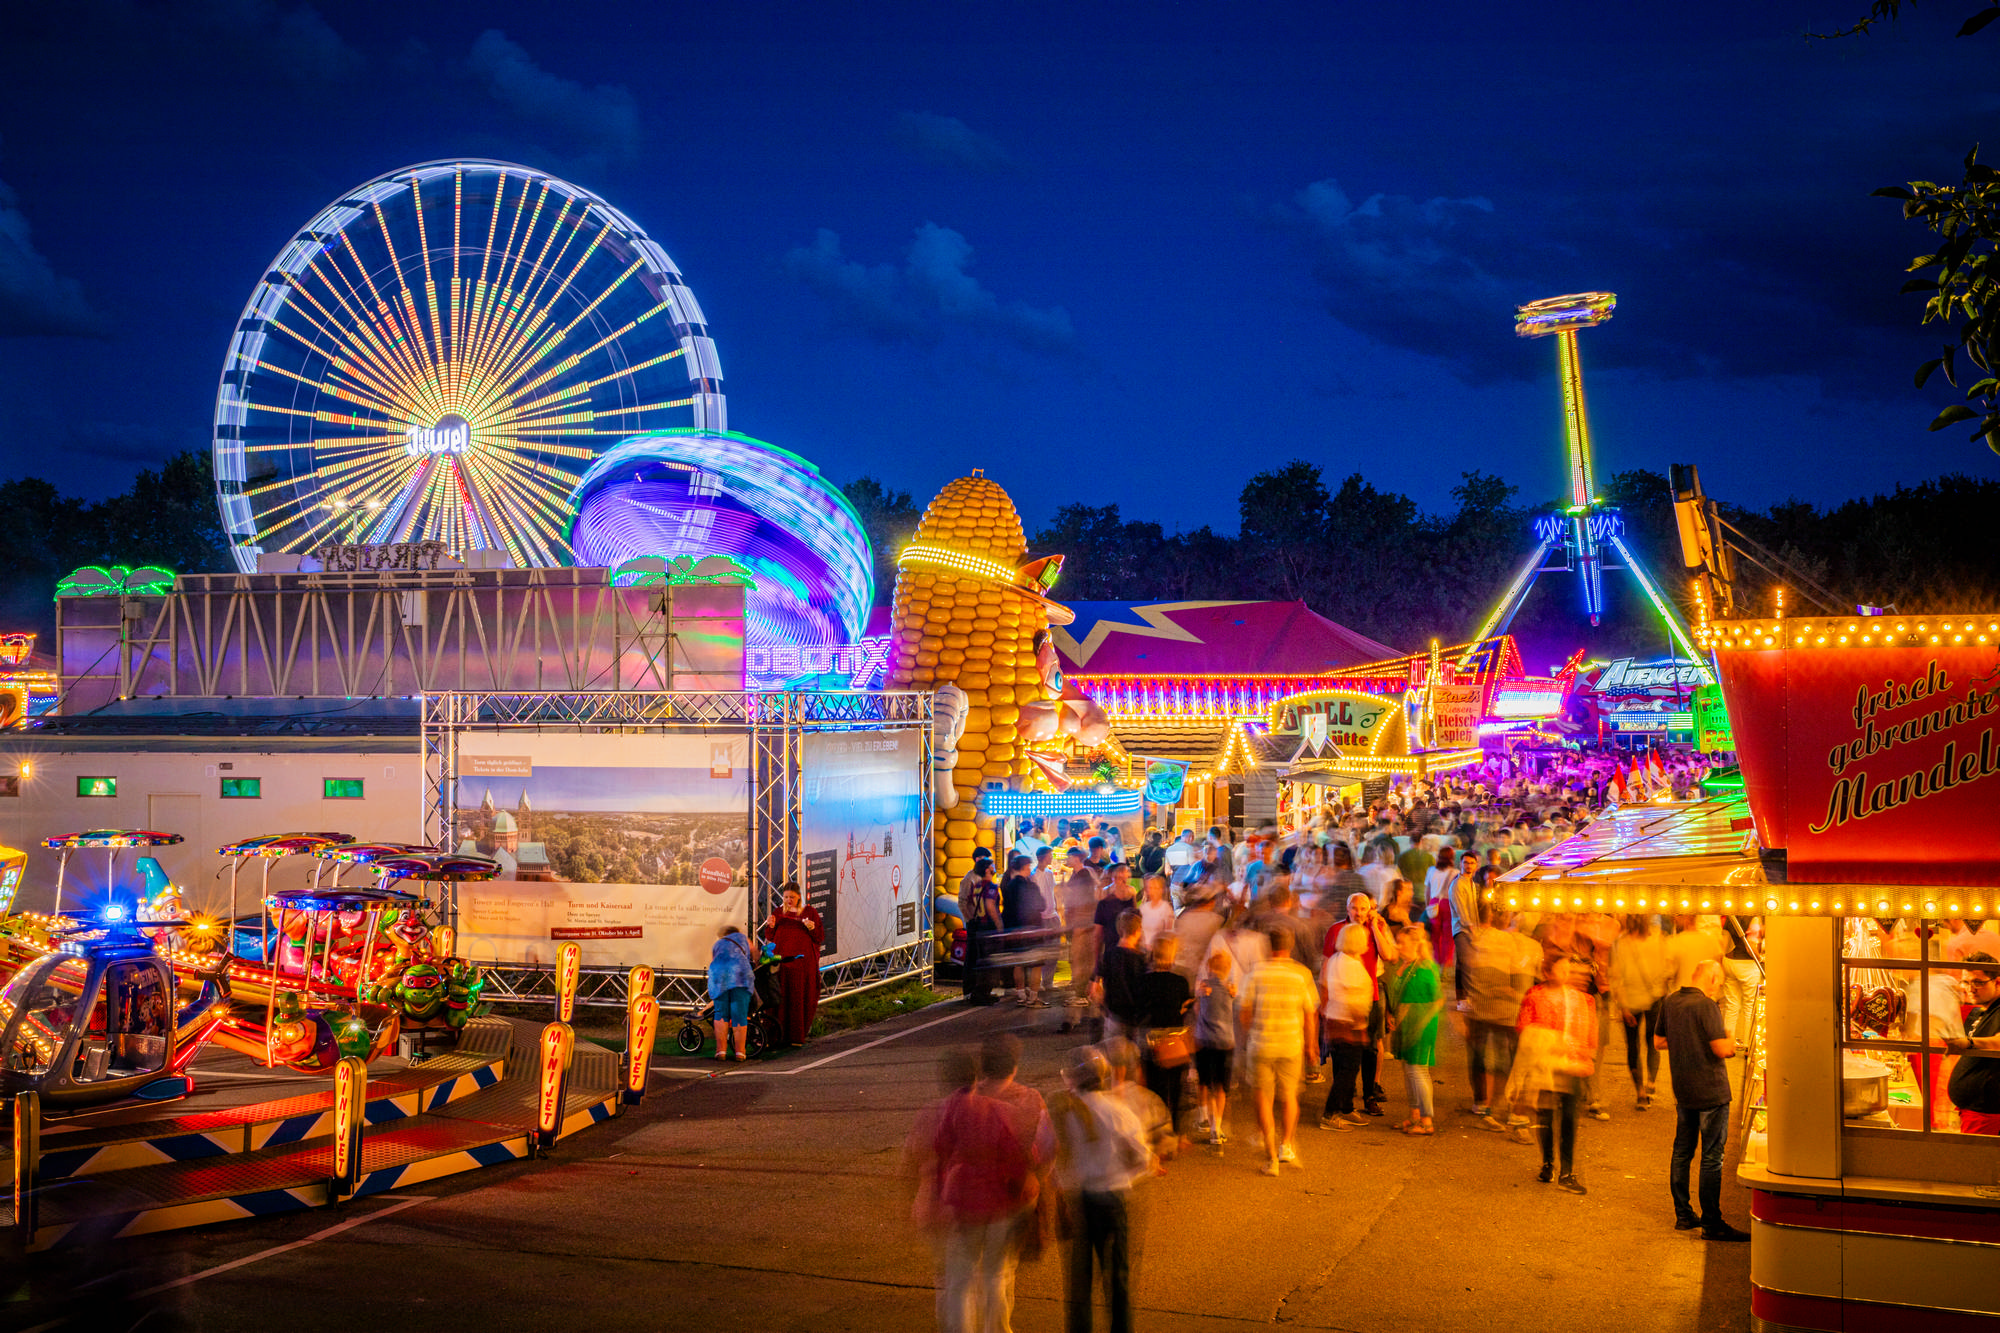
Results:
<point x="1414" y="987"/>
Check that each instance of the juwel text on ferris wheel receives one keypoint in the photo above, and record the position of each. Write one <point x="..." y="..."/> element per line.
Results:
<point x="451" y="435"/>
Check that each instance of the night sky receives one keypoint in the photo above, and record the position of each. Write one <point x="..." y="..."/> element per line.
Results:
<point x="1109" y="253"/>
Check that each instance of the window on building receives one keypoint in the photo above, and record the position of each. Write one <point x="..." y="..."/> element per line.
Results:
<point x="1908" y="988"/>
<point x="97" y="786"/>
<point x="242" y="789"/>
<point x="341" y="789"/>
<point x="10" y="784"/>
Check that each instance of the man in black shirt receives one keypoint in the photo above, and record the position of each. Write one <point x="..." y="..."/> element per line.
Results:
<point x="1116" y="901"/>
<point x="1697" y="1046"/>
<point x="1122" y="976"/>
<point x="1153" y="856"/>
<point x="1975" y="1082"/>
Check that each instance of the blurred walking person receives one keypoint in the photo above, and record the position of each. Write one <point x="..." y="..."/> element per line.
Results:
<point x="1640" y="977"/>
<point x="1279" y="1007"/>
<point x="986" y="1182"/>
<point x="1077" y="897"/>
<point x="1100" y="1151"/>
<point x="957" y="1072"/>
<point x="1500" y="967"/>
<point x="1166" y="997"/>
<point x="1344" y="1022"/>
<point x="1558" y="1032"/>
<point x="1215" y="1041"/>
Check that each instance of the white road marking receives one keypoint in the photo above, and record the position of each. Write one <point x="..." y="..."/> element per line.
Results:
<point x="864" y="1046"/>
<point x="399" y="1204"/>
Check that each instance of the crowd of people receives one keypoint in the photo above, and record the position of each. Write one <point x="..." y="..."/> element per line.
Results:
<point x="1208" y="971"/>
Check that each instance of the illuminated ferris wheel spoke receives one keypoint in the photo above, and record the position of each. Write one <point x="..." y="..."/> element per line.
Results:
<point x="376" y="314"/>
<point x="404" y="312"/>
<point x="556" y="339"/>
<point x="568" y="362"/>
<point x="362" y="335"/>
<point x="430" y="279"/>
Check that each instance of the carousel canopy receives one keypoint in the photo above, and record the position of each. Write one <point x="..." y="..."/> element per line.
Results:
<point x="112" y="837"/>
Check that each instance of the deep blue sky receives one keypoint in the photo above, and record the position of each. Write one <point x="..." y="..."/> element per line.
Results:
<point x="1129" y="253"/>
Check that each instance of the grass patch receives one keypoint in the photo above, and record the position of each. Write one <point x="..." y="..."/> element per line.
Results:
<point x="847" y="1012"/>
<point x="606" y="1027"/>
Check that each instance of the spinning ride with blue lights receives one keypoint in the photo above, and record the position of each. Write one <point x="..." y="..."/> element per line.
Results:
<point x="440" y="355"/>
<point x="723" y="493"/>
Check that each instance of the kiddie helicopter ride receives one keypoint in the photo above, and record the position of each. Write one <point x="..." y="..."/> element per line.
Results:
<point x="89" y="1038"/>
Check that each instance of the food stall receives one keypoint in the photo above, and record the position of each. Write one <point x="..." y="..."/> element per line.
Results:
<point x="1865" y="837"/>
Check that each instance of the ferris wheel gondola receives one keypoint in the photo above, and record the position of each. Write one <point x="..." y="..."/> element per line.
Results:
<point x="440" y="354"/>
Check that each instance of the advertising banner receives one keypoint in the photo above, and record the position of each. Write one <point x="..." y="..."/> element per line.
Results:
<point x="858" y="818"/>
<point x="1871" y="763"/>
<point x="1454" y="717"/>
<point x="636" y="847"/>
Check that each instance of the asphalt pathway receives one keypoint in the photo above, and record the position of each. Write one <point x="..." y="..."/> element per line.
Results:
<point x="767" y="1197"/>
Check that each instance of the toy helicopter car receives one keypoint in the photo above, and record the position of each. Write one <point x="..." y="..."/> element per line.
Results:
<point x="94" y="1021"/>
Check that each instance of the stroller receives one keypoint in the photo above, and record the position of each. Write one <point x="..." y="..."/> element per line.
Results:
<point x="762" y="1031"/>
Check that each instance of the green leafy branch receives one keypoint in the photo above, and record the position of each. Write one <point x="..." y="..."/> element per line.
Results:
<point x="1964" y="294"/>
<point x="1885" y="11"/>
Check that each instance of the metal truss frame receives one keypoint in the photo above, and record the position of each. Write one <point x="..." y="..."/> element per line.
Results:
<point x="776" y="725"/>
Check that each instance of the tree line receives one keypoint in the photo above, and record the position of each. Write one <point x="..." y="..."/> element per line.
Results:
<point x="1375" y="561"/>
<point x="1371" y="559"/>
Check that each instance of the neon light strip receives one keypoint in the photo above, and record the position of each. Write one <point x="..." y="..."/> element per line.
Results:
<point x="958" y="562"/>
<point x="1667" y="613"/>
<point x="1036" y="804"/>
<point x="1515" y="591"/>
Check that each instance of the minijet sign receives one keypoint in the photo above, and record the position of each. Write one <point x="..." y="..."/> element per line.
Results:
<point x="451" y="435"/>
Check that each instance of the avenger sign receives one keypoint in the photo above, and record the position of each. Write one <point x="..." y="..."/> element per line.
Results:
<point x="1876" y="760"/>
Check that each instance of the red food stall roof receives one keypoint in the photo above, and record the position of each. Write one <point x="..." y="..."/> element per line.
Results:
<point x="1209" y="639"/>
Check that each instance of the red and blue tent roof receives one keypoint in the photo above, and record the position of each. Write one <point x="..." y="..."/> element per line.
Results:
<point x="1209" y="639"/>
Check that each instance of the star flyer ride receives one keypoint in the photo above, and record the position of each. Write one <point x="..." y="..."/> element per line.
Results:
<point x="1585" y="529"/>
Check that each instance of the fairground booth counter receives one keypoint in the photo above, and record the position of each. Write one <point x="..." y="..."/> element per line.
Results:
<point x="1866" y="837"/>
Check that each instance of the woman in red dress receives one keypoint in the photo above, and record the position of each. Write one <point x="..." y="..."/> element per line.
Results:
<point x="796" y="931"/>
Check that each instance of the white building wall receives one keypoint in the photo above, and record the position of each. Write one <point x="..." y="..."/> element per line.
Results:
<point x="180" y="792"/>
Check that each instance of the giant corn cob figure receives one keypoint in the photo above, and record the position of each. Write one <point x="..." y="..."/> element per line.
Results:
<point x="968" y="606"/>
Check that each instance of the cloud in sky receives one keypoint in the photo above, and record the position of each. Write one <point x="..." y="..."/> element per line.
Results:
<point x="35" y="301"/>
<point x="598" y="123"/>
<point x="947" y="141"/>
<point x="295" y="43"/>
<point x="1404" y="270"/>
<point x="1742" y="293"/>
<point x="925" y="299"/>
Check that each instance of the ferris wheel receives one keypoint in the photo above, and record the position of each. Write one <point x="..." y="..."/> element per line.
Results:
<point x="440" y="355"/>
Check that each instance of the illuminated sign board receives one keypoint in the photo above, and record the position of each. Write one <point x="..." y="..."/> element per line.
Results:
<point x="1665" y="673"/>
<point x="773" y="666"/>
<point x="1343" y="719"/>
<point x="451" y="435"/>
<point x="1870" y="747"/>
